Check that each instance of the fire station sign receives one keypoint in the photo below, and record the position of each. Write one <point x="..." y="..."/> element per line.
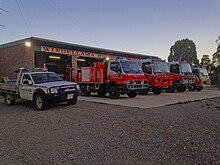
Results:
<point x="70" y="52"/>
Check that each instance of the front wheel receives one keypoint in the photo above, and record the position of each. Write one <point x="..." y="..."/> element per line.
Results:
<point x="40" y="103"/>
<point x="157" y="90"/>
<point x="113" y="92"/>
<point x="72" y="101"/>
<point x="9" y="100"/>
<point x="132" y="94"/>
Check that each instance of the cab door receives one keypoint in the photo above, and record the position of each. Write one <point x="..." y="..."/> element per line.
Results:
<point x="115" y="72"/>
<point x="26" y="87"/>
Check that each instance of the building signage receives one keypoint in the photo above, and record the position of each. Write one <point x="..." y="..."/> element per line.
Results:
<point x="70" y="52"/>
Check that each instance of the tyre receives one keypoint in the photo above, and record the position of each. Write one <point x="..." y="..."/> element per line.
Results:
<point x="192" y="88"/>
<point x="84" y="91"/>
<point x="40" y="103"/>
<point x="157" y="90"/>
<point x="199" y="88"/>
<point x="113" y="92"/>
<point x="181" y="88"/>
<point x="9" y="100"/>
<point x="143" y="92"/>
<point x="132" y="94"/>
<point x="72" y="101"/>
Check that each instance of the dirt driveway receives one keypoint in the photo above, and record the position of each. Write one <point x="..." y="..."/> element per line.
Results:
<point x="97" y="133"/>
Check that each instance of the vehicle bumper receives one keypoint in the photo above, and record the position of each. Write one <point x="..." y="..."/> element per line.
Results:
<point x="187" y="82"/>
<point x="62" y="97"/>
<point x="134" y="86"/>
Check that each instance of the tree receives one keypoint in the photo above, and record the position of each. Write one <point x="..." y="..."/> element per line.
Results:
<point x="216" y="55"/>
<point x="216" y="63"/>
<point x="218" y="41"/>
<point x="184" y="49"/>
<point x="206" y="62"/>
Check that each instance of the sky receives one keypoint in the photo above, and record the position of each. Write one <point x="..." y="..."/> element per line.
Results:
<point x="140" y="26"/>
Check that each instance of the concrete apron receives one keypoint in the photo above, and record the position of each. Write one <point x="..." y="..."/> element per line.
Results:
<point x="151" y="100"/>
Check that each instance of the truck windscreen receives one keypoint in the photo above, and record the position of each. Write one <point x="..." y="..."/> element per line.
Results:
<point x="160" y="67"/>
<point x="185" y="68"/>
<point x="45" y="77"/>
<point x="131" y="67"/>
<point x="203" y="72"/>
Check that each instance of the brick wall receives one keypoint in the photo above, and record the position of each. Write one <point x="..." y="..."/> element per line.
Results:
<point x="74" y="64"/>
<point x="13" y="58"/>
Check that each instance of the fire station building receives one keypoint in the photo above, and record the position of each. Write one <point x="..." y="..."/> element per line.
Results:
<point x="59" y="57"/>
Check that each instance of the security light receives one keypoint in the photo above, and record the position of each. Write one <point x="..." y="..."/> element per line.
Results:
<point x="28" y="44"/>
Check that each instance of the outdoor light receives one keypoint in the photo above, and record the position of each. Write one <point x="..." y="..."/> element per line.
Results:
<point x="80" y="59"/>
<point x="55" y="57"/>
<point x="107" y="58"/>
<point x="28" y="44"/>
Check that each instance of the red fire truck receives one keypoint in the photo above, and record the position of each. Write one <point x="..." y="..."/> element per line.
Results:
<point x="114" y="77"/>
<point x="201" y="78"/>
<point x="156" y="71"/>
<point x="182" y="76"/>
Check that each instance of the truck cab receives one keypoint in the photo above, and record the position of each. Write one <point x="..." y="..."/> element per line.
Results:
<point x="182" y="76"/>
<point x="156" y="71"/>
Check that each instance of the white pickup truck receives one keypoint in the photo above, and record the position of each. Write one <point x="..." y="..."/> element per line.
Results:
<point x="40" y="86"/>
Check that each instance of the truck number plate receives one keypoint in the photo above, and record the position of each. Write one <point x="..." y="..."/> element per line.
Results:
<point x="69" y="96"/>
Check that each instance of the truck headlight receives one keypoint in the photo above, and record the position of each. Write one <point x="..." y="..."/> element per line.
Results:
<point x="77" y="87"/>
<point x="53" y="90"/>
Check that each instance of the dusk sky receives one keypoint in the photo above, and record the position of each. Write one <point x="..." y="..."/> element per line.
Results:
<point x="140" y="26"/>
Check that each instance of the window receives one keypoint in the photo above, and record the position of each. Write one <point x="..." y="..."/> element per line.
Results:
<point x="26" y="77"/>
<point x="45" y="77"/>
<point x="115" y="66"/>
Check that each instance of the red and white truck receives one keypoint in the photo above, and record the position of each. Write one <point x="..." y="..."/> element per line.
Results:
<point x="182" y="76"/>
<point x="115" y="77"/>
<point x="156" y="71"/>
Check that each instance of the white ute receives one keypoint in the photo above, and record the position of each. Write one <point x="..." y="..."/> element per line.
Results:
<point x="40" y="86"/>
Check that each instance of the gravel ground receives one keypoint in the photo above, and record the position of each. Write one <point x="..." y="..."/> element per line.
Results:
<point x="93" y="133"/>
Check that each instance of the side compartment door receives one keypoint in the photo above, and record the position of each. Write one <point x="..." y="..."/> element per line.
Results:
<point x="25" y="87"/>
